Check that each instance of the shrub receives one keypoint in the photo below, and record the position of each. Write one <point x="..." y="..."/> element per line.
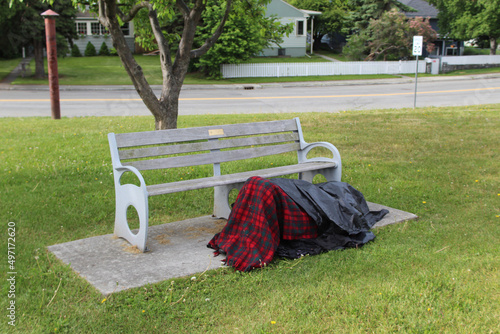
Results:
<point x="90" y="50"/>
<point x="104" y="51"/>
<point x="75" y="51"/>
<point x="62" y="46"/>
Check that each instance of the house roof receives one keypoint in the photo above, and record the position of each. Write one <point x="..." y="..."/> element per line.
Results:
<point x="85" y="15"/>
<point x="282" y="8"/>
<point x="424" y="9"/>
<point x="310" y="12"/>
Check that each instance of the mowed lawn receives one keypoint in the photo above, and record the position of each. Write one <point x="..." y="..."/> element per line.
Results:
<point x="439" y="274"/>
<point x="108" y="70"/>
<point x="7" y="66"/>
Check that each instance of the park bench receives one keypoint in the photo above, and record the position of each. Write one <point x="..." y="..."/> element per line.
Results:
<point x="208" y="145"/>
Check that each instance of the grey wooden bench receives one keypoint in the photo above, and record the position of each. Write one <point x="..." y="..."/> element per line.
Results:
<point x="209" y="145"/>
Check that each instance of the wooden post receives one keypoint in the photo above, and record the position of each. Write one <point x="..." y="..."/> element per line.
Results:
<point x="50" y="33"/>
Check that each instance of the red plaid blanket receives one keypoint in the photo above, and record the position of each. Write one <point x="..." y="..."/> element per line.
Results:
<point x="263" y="214"/>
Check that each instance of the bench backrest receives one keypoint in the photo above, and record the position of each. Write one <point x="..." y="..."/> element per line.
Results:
<point x="205" y="145"/>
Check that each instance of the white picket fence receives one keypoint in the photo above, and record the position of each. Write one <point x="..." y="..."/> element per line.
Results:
<point x="471" y="60"/>
<point x="324" y="68"/>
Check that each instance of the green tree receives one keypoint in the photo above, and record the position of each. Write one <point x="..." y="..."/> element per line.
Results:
<point x="389" y="37"/>
<point x="28" y="28"/>
<point x="10" y="46"/>
<point x="363" y="11"/>
<point x="465" y="19"/>
<point x="247" y="32"/>
<point x="168" y="37"/>
<point x="332" y="18"/>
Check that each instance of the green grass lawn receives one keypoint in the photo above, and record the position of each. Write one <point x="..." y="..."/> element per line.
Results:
<point x="332" y="54"/>
<point x="98" y="70"/>
<point x="440" y="274"/>
<point x="7" y="66"/>
<point x="109" y="71"/>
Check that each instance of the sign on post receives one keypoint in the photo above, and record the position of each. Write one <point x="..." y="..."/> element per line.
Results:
<point x="418" y="42"/>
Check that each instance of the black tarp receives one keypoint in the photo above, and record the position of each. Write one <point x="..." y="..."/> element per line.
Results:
<point x="340" y="211"/>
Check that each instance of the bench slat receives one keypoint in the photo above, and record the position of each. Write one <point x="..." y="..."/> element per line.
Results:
<point x="172" y="187"/>
<point x="206" y="146"/>
<point x="212" y="157"/>
<point x="200" y="133"/>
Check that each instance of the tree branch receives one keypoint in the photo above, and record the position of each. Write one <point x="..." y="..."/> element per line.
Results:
<point x="182" y="7"/>
<point x="211" y="41"/>
<point x="163" y="46"/>
<point x="103" y="19"/>
<point x="131" y="66"/>
<point x="134" y="10"/>
<point x="191" y="20"/>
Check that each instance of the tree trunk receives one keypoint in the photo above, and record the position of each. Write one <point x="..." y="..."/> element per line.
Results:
<point x="493" y="46"/>
<point x="317" y="41"/>
<point x="164" y="109"/>
<point x="39" y="63"/>
<point x="167" y="117"/>
<point x="131" y="66"/>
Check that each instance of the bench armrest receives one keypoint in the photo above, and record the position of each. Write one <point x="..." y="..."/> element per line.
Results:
<point x="331" y="174"/>
<point x="120" y="170"/>
<point x="302" y="154"/>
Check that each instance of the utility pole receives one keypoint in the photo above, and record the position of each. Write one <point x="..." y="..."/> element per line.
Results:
<point x="50" y="33"/>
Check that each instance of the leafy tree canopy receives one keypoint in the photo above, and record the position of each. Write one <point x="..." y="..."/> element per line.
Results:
<point x="23" y="26"/>
<point x="362" y="11"/>
<point x="247" y="32"/>
<point x="389" y="37"/>
<point x="465" y="19"/>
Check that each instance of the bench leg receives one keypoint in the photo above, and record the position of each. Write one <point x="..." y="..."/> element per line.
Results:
<point x="222" y="209"/>
<point x="130" y="195"/>
<point x="331" y="174"/>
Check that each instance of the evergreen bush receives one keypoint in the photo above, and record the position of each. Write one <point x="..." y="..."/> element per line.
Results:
<point x="104" y="51"/>
<point x="75" y="51"/>
<point x="90" y="50"/>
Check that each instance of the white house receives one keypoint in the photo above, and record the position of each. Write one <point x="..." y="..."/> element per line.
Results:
<point x="90" y="30"/>
<point x="296" y="43"/>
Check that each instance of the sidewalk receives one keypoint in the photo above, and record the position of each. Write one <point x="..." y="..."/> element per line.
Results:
<point x="326" y="57"/>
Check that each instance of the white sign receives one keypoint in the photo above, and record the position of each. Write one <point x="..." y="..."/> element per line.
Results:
<point x="418" y="41"/>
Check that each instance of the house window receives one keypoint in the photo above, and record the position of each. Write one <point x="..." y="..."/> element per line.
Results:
<point x="125" y="29"/>
<point x="97" y="29"/>
<point x="300" y="28"/>
<point x="281" y="52"/>
<point x="81" y="28"/>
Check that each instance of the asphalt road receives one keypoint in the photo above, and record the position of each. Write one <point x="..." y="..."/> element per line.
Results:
<point x="271" y="98"/>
